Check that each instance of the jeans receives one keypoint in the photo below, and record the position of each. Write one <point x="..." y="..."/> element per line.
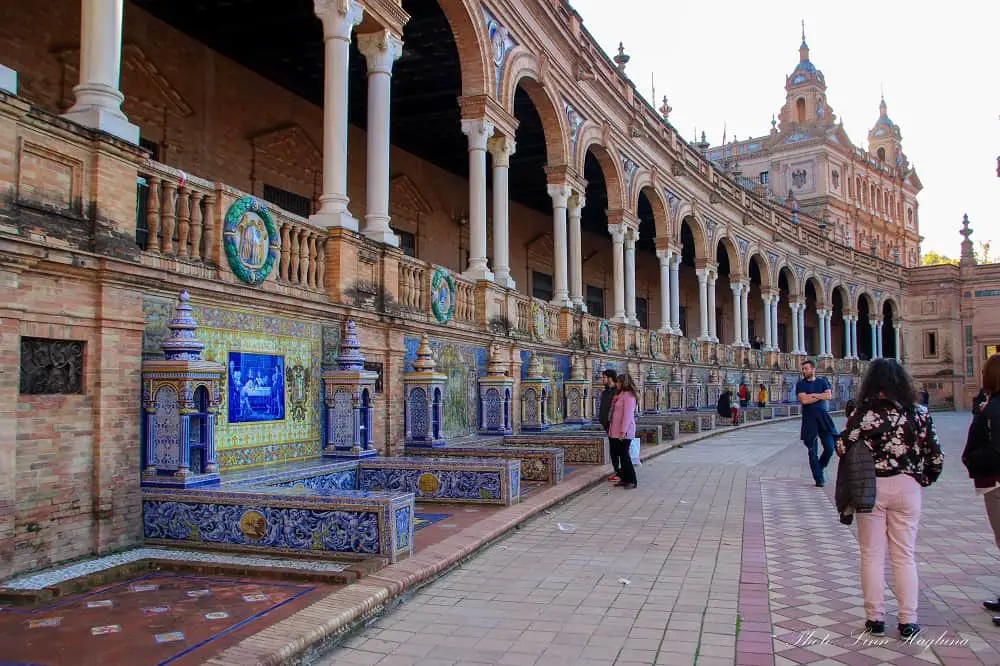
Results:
<point x="623" y="464"/>
<point x="891" y="526"/>
<point x="817" y="462"/>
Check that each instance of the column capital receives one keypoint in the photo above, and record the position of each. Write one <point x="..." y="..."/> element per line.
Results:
<point x="479" y="131"/>
<point x="577" y="202"/>
<point x="702" y="274"/>
<point x="675" y="259"/>
<point x="822" y="312"/>
<point x="501" y="147"/>
<point x="736" y="286"/>
<point x="664" y="256"/>
<point x="339" y="17"/>
<point x="631" y="237"/>
<point x="380" y="49"/>
<point x="560" y="195"/>
<point x="617" y="232"/>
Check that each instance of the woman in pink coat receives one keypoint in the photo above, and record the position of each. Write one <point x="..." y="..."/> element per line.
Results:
<point x="622" y="429"/>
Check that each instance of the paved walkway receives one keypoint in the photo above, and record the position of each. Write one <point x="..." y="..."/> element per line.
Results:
<point x="725" y="554"/>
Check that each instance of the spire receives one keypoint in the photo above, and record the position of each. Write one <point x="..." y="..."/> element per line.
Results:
<point x="183" y="344"/>
<point x="968" y="250"/>
<point x="350" y="357"/>
<point x="804" y="48"/>
<point x="882" y="108"/>
<point x="425" y="357"/>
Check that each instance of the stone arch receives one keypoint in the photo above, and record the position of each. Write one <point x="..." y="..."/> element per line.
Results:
<point x="866" y="296"/>
<point x="817" y="283"/>
<point x="733" y="252"/>
<point x="845" y="297"/>
<point x="472" y="40"/>
<point x="794" y="288"/>
<point x="698" y="232"/>
<point x="763" y="265"/>
<point x="523" y="73"/>
<point x="610" y="168"/>
<point x="661" y="214"/>
<point x="893" y="305"/>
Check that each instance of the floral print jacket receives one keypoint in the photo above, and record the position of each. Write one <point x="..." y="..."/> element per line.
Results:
<point x="902" y="441"/>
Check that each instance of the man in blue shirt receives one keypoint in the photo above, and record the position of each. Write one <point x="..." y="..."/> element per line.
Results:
<point x="813" y="392"/>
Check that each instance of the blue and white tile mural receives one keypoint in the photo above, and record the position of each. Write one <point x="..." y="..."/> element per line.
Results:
<point x="463" y="365"/>
<point x="256" y="387"/>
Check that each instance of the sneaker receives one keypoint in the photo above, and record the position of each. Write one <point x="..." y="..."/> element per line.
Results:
<point x="820" y="484"/>
<point x="908" y="630"/>
<point x="875" y="627"/>
<point x="613" y="477"/>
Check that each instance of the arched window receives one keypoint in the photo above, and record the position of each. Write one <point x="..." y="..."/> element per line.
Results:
<point x="800" y="110"/>
<point x="857" y="192"/>
<point x="881" y="154"/>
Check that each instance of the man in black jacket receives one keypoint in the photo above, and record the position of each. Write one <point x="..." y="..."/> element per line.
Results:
<point x="609" y="376"/>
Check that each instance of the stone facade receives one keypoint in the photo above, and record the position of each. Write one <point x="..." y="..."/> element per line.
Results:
<point x="89" y="257"/>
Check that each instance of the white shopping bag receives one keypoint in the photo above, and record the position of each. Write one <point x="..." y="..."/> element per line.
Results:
<point x="633" y="451"/>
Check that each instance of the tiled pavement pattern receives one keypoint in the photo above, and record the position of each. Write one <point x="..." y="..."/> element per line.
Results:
<point x="555" y="592"/>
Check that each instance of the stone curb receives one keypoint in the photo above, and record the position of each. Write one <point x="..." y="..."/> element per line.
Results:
<point x="304" y="636"/>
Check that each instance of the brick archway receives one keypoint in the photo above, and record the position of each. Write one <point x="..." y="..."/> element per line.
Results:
<point x="472" y="40"/>
<point x="591" y="142"/>
<point x="661" y="216"/>
<point x="525" y="77"/>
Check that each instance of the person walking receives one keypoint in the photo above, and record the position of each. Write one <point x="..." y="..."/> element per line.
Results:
<point x="981" y="456"/>
<point x="907" y="457"/>
<point x="813" y="393"/>
<point x="608" y="378"/>
<point x="623" y="428"/>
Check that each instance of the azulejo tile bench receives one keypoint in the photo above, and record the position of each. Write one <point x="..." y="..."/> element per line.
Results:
<point x="545" y="465"/>
<point x="282" y="520"/>
<point x="684" y="422"/>
<point x="580" y="448"/>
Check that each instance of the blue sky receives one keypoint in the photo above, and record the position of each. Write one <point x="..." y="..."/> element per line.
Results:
<point x="724" y="64"/>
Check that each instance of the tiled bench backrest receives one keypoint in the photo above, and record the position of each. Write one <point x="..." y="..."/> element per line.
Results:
<point x="580" y="449"/>
<point x="544" y="465"/>
<point x="282" y="520"/>
<point x="472" y="480"/>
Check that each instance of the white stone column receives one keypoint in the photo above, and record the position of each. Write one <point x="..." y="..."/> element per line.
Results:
<point x="745" y="314"/>
<point x="631" y="236"/>
<point x="829" y="333"/>
<point x="501" y="148"/>
<point x="617" y="232"/>
<point x="98" y="99"/>
<point x="824" y="341"/>
<point x="703" y="304"/>
<point x="879" y="338"/>
<point x="874" y="333"/>
<point x="854" y="336"/>
<point x="847" y="336"/>
<point x="895" y="335"/>
<point x="576" y="203"/>
<point x="795" y="328"/>
<point x="768" y="343"/>
<point x="665" y="290"/>
<point x="802" y="329"/>
<point x="380" y="49"/>
<point x="339" y="18"/>
<point x="774" y="322"/>
<point x="479" y="132"/>
<point x="560" y="278"/>
<point x="675" y="293"/>
<point x="737" y="289"/>
<point x="713" y="322"/>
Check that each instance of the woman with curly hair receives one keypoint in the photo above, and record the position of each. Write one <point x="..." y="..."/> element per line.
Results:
<point x="907" y="458"/>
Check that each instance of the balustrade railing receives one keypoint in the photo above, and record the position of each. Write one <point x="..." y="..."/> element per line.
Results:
<point x="303" y="259"/>
<point x="179" y="216"/>
<point x="465" y="300"/>
<point x="412" y="287"/>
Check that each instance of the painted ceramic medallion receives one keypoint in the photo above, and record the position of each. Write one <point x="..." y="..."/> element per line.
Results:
<point x="443" y="295"/>
<point x="604" y="336"/>
<point x="251" y="240"/>
<point x="538" y="320"/>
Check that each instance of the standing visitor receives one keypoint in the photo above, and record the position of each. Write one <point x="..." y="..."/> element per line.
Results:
<point x="907" y="457"/>
<point x="623" y="429"/>
<point x="982" y="452"/>
<point x="608" y="377"/>
<point x="744" y="395"/>
<point x="762" y="396"/>
<point x="724" y="405"/>
<point x="813" y="392"/>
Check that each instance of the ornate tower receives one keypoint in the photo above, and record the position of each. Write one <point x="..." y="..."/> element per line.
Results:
<point x="577" y="388"/>
<point x="496" y="389"/>
<point x="424" y="400"/>
<point x="652" y="392"/>
<point x="180" y="398"/>
<point x="805" y="95"/>
<point x="535" y="389"/>
<point x="349" y="397"/>
<point x="885" y="141"/>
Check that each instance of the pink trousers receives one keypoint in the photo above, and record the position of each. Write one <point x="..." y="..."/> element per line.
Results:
<point x="893" y="526"/>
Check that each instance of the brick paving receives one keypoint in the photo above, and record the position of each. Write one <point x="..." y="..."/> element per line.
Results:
<point x="725" y="554"/>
